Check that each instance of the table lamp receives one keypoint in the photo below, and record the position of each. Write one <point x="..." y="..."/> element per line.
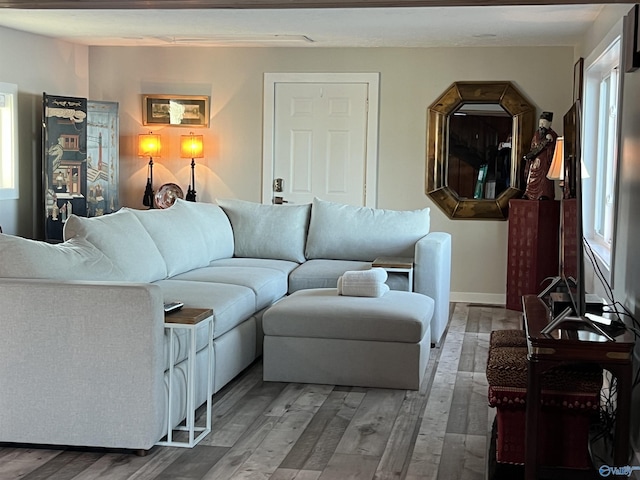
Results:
<point x="149" y="146"/>
<point x="191" y="146"/>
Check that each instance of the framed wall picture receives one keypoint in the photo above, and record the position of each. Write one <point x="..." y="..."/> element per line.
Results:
<point x="175" y="110"/>
<point x="578" y="71"/>
<point x="631" y="40"/>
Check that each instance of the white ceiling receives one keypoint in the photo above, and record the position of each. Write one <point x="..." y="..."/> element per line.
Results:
<point x="534" y="25"/>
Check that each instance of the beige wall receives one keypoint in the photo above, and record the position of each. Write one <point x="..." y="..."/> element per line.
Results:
<point x="600" y="31"/>
<point x="410" y="80"/>
<point x="36" y="64"/>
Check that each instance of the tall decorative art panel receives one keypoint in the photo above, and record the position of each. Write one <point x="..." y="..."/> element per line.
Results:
<point x="80" y="160"/>
<point x="102" y="158"/>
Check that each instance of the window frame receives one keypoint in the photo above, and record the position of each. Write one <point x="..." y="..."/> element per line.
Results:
<point x="9" y="174"/>
<point x="605" y="64"/>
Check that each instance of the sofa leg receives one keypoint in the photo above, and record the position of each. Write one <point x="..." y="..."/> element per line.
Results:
<point x="141" y="453"/>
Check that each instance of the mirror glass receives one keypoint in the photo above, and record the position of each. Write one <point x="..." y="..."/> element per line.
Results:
<point x="476" y="135"/>
<point x="479" y="145"/>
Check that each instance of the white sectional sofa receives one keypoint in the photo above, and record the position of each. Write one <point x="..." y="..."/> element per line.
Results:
<point x="83" y="351"/>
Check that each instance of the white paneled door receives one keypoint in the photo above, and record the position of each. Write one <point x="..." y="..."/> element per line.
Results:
<point x="320" y="143"/>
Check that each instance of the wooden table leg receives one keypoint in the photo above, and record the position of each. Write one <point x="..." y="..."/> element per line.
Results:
<point x="623" y="374"/>
<point x="532" y="421"/>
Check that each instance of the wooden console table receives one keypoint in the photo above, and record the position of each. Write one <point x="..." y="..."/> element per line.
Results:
<point x="577" y="346"/>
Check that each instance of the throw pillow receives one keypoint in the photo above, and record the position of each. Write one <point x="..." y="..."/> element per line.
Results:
<point x="268" y="231"/>
<point x="188" y="235"/>
<point x="345" y="232"/>
<point x="123" y="239"/>
<point x="75" y="259"/>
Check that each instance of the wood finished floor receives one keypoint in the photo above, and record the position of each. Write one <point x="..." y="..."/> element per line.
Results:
<point x="286" y="431"/>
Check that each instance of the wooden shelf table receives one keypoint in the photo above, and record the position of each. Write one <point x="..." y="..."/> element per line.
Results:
<point x="189" y="319"/>
<point x="396" y="265"/>
<point x="573" y="345"/>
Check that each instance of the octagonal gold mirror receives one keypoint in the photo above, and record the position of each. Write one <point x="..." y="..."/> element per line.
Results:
<point x="477" y="134"/>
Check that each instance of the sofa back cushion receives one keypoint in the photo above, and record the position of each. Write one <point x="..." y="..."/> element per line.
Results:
<point x="345" y="232"/>
<point x="268" y="231"/>
<point x="188" y="235"/>
<point x="75" y="259"/>
<point x="123" y="239"/>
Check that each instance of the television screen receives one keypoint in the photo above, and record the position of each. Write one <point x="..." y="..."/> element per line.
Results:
<point x="572" y="253"/>
<point x="572" y="260"/>
<point x="571" y="232"/>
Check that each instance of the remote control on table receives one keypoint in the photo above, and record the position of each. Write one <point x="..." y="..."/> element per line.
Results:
<point x="172" y="307"/>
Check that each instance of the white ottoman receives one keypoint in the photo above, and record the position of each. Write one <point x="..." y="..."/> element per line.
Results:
<point x="318" y="336"/>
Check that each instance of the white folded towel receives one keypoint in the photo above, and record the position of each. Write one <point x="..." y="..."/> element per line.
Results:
<point x="363" y="283"/>
<point x="375" y="274"/>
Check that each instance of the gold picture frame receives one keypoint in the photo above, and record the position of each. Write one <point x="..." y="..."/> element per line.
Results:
<point x="175" y="110"/>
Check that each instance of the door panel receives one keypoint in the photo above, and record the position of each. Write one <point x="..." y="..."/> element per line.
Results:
<point x="301" y="163"/>
<point x="320" y="141"/>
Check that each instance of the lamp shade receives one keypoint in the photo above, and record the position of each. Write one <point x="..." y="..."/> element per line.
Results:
<point x="191" y="146"/>
<point x="556" y="170"/>
<point x="149" y="145"/>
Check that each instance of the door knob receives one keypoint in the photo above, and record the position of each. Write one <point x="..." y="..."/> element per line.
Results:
<point x="279" y="200"/>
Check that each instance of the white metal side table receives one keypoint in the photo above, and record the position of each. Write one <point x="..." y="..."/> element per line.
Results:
<point x="396" y="265"/>
<point x="189" y="319"/>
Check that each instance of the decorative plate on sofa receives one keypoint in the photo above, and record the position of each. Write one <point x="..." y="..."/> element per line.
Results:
<point x="167" y="195"/>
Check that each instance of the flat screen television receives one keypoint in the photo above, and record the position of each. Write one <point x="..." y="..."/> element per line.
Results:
<point x="571" y="275"/>
<point x="571" y="249"/>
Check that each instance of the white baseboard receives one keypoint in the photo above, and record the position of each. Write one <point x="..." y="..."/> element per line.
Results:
<point x="482" y="298"/>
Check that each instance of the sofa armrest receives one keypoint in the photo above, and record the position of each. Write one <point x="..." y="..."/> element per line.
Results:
<point x="81" y="363"/>
<point x="432" y="277"/>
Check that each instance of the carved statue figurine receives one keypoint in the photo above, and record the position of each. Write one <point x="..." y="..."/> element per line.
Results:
<point x="538" y="161"/>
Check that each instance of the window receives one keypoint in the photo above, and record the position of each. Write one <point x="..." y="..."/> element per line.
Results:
<point x="70" y="142"/>
<point x="8" y="141"/>
<point x="605" y="167"/>
<point x="601" y="150"/>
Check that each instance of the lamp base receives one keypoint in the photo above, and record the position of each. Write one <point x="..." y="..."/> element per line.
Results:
<point x="149" y="194"/>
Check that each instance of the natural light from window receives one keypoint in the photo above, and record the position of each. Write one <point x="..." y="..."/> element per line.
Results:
<point x="8" y="141"/>
<point x="600" y="152"/>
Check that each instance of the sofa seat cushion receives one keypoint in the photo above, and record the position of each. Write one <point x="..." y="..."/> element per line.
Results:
<point x="268" y="231"/>
<point x="188" y="234"/>
<point x="345" y="232"/>
<point x="124" y="240"/>
<point x="231" y="304"/>
<point x="321" y="313"/>
<point x="324" y="274"/>
<point x="284" y="266"/>
<point x="75" y="259"/>
<point x="267" y="284"/>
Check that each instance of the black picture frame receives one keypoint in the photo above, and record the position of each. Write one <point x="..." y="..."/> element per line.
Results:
<point x="578" y="72"/>
<point x="631" y="42"/>
<point x="175" y="110"/>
